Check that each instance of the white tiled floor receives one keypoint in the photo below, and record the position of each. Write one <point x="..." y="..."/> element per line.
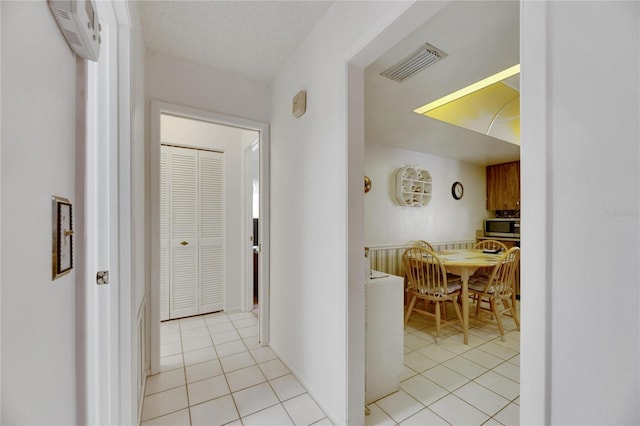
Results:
<point x="452" y="383"/>
<point x="214" y="372"/>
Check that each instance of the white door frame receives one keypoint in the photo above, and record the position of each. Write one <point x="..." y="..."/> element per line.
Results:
<point x="0" y="210"/>
<point x="109" y="380"/>
<point x="158" y="108"/>
<point x="247" y="297"/>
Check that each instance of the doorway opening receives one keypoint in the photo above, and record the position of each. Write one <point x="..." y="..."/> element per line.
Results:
<point x="369" y="96"/>
<point x="252" y="189"/>
<point x="203" y="207"/>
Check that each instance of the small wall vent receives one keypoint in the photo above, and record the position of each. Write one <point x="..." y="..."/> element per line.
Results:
<point x="420" y="59"/>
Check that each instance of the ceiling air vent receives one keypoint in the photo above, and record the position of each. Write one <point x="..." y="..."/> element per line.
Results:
<point x="414" y="63"/>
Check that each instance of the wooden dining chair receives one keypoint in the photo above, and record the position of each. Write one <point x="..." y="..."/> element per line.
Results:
<point x="427" y="280"/>
<point x="418" y="243"/>
<point x="423" y="244"/>
<point x="499" y="287"/>
<point x="488" y="245"/>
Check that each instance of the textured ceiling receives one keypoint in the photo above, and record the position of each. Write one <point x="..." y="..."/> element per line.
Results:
<point x="251" y="38"/>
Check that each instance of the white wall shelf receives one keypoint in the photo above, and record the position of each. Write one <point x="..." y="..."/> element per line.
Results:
<point x="413" y="186"/>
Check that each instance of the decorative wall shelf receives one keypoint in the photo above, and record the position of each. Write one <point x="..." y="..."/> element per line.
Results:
<point x="413" y="186"/>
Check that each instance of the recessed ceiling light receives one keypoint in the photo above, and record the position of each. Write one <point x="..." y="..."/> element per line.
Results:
<point x="469" y="89"/>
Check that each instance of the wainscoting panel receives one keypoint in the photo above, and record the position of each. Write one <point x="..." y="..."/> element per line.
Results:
<point x="388" y="259"/>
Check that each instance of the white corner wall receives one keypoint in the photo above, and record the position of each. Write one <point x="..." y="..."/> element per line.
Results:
<point x="232" y="141"/>
<point x="581" y="185"/>
<point x="39" y="327"/>
<point x="309" y="211"/>
<point x="442" y="219"/>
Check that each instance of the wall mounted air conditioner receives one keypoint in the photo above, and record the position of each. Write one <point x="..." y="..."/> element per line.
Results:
<point x="78" y="21"/>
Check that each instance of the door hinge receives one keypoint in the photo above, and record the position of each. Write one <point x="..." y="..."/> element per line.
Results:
<point x="102" y="277"/>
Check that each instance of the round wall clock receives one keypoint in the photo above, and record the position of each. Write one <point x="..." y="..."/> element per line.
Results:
<point x="457" y="190"/>
<point x="367" y="184"/>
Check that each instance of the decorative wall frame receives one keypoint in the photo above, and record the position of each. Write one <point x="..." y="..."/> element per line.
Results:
<point x="62" y="237"/>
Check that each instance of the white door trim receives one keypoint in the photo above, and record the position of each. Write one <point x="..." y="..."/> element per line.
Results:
<point x="0" y="207"/>
<point x="125" y="324"/>
<point x="108" y="332"/>
<point x="158" y="108"/>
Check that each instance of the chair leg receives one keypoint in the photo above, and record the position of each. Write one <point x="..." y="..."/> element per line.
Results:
<point x="438" y="322"/>
<point x="457" y="309"/>
<point x="498" y="319"/>
<point x="412" y="302"/>
<point x="514" y="314"/>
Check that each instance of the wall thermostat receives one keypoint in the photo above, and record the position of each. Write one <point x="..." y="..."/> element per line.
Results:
<point x="78" y="21"/>
<point x="299" y="104"/>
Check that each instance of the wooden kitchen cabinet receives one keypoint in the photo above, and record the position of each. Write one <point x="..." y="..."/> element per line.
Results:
<point x="503" y="186"/>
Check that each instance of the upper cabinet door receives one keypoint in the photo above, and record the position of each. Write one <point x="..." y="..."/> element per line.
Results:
<point x="503" y="186"/>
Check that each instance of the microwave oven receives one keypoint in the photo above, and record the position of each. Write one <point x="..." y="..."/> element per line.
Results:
<point x="502" y="227"/>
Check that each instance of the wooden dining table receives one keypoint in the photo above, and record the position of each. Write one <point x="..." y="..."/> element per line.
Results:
<point x="464" y="262"/>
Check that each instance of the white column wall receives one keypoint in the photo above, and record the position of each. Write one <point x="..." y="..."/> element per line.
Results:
<point x="580" y="154"/>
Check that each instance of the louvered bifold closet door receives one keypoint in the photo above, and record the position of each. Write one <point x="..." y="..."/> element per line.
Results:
<point x="183" y="202"/>
<point x="164" y="233"/>
<point x="211" y="231"/>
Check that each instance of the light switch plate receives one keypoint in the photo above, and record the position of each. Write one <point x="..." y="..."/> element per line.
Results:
<point x="299" y="103"/>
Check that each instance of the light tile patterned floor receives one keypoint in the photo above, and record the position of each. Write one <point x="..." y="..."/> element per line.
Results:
<point x="214" y="372"/>
<point x="455" y="384"/>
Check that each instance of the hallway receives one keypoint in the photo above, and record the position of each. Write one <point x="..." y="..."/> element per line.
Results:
<point x="213" y="371"/>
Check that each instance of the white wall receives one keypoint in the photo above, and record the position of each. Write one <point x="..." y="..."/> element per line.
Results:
<point x="581" y="187"/>
<point x="38" y="161"/>
<point x="196" y="86"/>
<point x="442" y="219"/>
<point x="232" y="141"/>
<point x="309" y="199"/>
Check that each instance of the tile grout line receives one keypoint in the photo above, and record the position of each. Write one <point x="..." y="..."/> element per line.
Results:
<point x="270" y="387"/>
<point x="503" y="361"/>
<point x="244" y="344"/>
<point x="235" y="404"/>
<point x="186" y="382"/>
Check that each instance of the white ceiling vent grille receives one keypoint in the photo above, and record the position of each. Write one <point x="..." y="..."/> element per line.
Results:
<point x="414" y="63"/>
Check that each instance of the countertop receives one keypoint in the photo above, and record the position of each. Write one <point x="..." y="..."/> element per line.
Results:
<point x="498" y="238"/>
